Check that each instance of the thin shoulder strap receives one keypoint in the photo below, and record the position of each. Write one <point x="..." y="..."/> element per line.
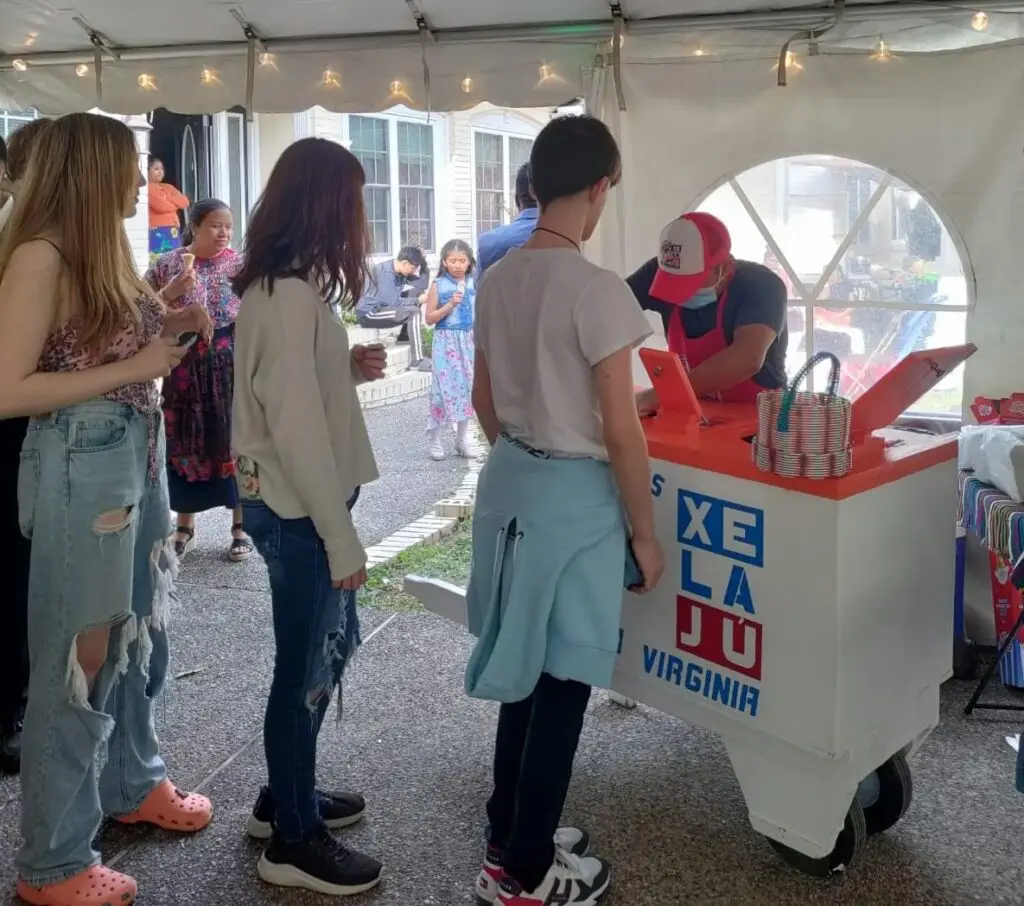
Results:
<point x="63" y="257"/>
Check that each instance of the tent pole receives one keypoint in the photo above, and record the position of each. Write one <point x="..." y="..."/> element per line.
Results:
<point x="557" y="33"/>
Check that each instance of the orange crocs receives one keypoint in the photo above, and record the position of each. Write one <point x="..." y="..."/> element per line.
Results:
<point x="169" y="808"/>
<point x="96" y="886"/>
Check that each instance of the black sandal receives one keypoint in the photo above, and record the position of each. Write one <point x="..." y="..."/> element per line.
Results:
<point x="241" y="548"/>
<point x="183" y="547"/>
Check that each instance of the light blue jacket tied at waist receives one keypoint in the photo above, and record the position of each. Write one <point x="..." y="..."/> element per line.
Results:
<point x="545" y="592"/>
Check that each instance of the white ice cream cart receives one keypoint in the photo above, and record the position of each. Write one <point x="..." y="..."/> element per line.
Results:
<point x="808" y="623"/>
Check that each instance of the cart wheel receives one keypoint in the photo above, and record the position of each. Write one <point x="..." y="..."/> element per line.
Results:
<point x="848" y="846"/>
<point x="965" y="660"/>
<point x="885" y="795"/>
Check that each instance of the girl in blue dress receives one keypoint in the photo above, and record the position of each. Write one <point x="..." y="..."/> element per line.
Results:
<point x="449" y="308"/>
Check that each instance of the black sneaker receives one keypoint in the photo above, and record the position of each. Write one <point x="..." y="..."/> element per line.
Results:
<point x="10" y="749"/>
<point x="319" y="863"/>
<point x="337" y="810"/>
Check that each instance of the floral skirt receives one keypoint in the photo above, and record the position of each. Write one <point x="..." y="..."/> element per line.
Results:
<point x="451" y="394"/>
<point x="197" y="415"/>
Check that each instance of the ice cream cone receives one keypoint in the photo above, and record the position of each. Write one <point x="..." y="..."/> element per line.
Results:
<point x="188" y="259"/>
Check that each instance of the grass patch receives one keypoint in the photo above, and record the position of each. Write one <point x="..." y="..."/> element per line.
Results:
<point x="447" y="559"/>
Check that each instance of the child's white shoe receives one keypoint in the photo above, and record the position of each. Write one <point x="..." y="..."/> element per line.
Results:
<point x="436" y="451"/>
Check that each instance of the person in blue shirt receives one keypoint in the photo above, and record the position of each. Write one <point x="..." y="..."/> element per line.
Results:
<point x="495" y="244"/>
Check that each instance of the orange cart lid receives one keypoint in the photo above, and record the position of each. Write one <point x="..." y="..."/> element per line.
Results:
<point x="904" y="384"/>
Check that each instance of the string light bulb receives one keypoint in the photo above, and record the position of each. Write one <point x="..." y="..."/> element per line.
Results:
<point x="19" y="65"/>
<point x="207" y="77"/>
<point x="792" y="62"/>
<point x="146" y="82"/>
<point x="467" y="85"/>
<point x="330" y="79"/>
<point x="82" y="70"/>
<point x="700" y="52"/>
<point x="979" y="21"/>
<point x="882" y="51"/>
<point x="545" y="72"/>
<point x="397" y="89"/>
<point x="266" y="59"/>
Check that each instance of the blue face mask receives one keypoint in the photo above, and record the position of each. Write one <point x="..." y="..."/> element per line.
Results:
<point x="702" y="298"/>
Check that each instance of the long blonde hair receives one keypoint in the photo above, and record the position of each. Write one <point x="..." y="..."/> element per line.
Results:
<point x="83" y="172"/>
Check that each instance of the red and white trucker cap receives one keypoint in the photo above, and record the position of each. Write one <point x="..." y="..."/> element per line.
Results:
<point x="690" y="248"/>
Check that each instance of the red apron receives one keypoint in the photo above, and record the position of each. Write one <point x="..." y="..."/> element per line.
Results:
<point x="696" y="352"/>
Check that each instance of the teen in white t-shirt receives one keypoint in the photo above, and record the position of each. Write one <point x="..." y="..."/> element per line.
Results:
<point x="550" y="317"/>
<point x="553" y="381"/>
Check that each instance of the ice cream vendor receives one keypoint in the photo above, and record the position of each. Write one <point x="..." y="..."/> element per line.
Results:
<point x="725" y="318"/>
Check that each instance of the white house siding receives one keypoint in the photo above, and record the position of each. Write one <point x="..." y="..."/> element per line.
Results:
<point x="276" y="132"/>
<point x="460" y="151"/>
<point x="138" y="226"/>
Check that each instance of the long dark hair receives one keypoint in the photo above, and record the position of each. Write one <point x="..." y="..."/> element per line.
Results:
<point x="197" y="214"/>
<point x="456" y="245"/>
<point x="310" y="223"/>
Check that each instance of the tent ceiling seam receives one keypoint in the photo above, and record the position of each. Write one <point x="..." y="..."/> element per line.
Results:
<point x="584" y="31"/>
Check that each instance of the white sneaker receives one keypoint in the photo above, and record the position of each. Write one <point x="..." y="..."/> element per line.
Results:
<point x="571" y="881"/>
<point x="464" y="449"/>
<point x="436" y="451"/>
<point x="570" y="839"/>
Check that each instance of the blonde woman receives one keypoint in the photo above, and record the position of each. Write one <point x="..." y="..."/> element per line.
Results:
<point x="82" y="342"/>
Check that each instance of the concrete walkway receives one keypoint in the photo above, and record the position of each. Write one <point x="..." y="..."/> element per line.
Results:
<point x="657" y="794"/>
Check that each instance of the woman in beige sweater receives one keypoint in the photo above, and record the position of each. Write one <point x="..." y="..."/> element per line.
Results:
<point x="302" y="454"/>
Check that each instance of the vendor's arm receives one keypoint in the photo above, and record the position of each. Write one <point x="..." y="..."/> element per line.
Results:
<point x="640" y="283"/>
<point x="760" y="316"/>
<point x="737" y="363"/>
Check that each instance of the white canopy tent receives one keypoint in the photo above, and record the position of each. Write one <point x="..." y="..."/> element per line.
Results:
<point x="927" y="91"/>
<point x="198" y="56"/>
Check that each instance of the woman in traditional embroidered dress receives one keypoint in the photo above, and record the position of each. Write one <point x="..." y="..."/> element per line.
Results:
<point x="197" y="395"/>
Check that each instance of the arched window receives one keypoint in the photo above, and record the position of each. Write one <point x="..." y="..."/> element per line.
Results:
<point x="871" y="270"/>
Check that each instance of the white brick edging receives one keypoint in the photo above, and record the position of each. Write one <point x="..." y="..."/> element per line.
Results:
<point x="434" y="526"/>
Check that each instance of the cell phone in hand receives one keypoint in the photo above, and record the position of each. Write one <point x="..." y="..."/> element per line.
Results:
<point x="634" y="577"/>
<point x="188" y="338"/>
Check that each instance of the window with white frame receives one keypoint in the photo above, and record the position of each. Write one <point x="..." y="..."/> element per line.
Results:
<point x="369" y="140"/>
<point x="489" y="180"/>
<point x="496" y="161"/>
<point x="518" y="154"/>
<point x="871" y="270"/>
<point x="398" y="156"/>
<point x="10" y="120"/>
<point x="416" y="185"/>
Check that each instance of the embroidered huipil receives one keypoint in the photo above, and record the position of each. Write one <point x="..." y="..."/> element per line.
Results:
<point x="197" y="395"/>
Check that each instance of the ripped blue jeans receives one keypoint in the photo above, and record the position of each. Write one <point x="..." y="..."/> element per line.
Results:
<point x="99" y="520"/>
<point x="316" y="631"/>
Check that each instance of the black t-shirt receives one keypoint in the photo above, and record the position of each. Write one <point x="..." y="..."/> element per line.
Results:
<point x="756" y="296"/>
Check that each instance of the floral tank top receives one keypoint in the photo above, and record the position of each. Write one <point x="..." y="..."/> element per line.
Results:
<point x="61" y="352"/>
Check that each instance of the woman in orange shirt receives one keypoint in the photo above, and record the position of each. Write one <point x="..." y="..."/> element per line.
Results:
<point x="164" y="203"/>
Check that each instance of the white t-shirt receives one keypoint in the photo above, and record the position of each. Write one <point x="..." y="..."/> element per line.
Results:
<point x="544" y="318"/>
